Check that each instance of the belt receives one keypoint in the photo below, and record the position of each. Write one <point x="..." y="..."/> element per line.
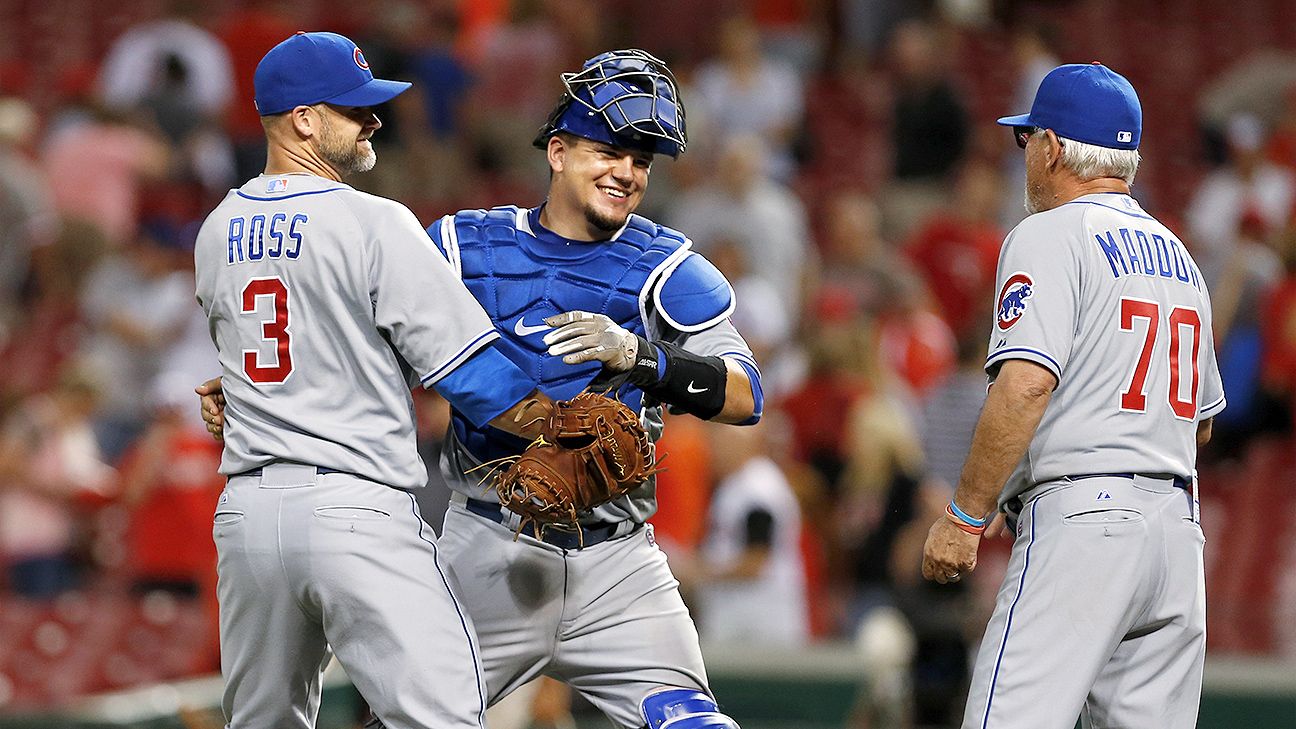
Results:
<point x="256" y="472"/>
<point x="1180" y="482"/>
<point x="559" y="536"/>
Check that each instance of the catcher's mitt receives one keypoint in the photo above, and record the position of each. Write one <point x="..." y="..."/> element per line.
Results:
<point x="590" y="451"/>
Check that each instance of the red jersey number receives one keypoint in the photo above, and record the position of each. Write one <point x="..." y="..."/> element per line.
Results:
<point x="273" y="329"/>
<point x="1183" y="365"/>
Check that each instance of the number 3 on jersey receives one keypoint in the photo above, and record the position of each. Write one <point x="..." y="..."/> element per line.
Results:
<point x="273" y="329"/>
<point x="1134" y="399"/>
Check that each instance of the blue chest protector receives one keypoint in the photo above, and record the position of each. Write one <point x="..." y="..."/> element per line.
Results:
<point x="520" y="278"/>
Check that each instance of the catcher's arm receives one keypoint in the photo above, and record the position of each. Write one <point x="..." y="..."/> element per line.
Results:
<point x="712" y="388"/>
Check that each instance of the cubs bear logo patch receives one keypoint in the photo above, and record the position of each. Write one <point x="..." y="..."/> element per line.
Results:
<point x="1012" y="299"/>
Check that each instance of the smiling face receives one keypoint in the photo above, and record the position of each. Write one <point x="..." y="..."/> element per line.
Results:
<point x="344" y="135"/>
<point x="599" y="183"/>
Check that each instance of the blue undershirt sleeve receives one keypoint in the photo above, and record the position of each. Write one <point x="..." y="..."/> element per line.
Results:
<point x="485" y="385"/>
<point x="758" y="394"/>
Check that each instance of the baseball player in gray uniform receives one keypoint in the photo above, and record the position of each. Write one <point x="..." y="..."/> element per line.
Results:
<point x="587" y="295"/>
<point x="1104" y="385"/>
<point x="325" y="303"/>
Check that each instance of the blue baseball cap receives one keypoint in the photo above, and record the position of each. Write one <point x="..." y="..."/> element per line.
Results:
<point x="313" y="68"/>
<point x="1089" y="103"/>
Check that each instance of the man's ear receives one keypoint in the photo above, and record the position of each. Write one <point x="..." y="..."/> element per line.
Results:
<point x="556" y="152"/>
<point x="1052" y="155"/>
<point x="305" y="120"/>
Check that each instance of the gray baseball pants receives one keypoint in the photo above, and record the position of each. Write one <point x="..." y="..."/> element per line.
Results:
<point x="1102" y="613"/>
<point x="309" y="562"/>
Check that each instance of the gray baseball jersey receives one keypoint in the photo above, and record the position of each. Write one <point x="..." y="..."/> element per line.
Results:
<point x="1110" y="301"/>
<point x="309" y="284"/>
<point x="1105" y="588"/>
<point x="326" y="304"/>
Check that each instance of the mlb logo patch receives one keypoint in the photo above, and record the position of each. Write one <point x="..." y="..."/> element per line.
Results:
<point x="277" y="185"/>
<point x="1124" y="137"/>
<point x="1012" y="299"/>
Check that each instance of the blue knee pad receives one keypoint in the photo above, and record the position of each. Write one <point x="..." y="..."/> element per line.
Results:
<point x="678" y="708"/>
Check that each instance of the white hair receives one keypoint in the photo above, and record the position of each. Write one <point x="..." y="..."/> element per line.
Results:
<point x="1090" y="161"/>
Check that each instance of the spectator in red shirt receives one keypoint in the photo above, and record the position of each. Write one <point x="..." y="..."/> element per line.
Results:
<point x="957" y="248"/>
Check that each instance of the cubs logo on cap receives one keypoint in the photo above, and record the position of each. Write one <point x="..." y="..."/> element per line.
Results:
<point x="1012" y="300"/>
<point x="360" y="59"/>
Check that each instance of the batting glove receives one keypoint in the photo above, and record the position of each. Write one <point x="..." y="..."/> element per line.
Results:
<point x="581" y="336"/>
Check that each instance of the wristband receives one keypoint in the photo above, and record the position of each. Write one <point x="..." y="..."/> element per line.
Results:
<point x="675" y="376"/>
<point x="969" y="524"/>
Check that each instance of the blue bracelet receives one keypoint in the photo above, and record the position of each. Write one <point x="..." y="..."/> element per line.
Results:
<point x="963" y="516"/>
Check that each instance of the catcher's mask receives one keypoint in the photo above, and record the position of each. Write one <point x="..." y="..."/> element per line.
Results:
<point x="624" y="98"/>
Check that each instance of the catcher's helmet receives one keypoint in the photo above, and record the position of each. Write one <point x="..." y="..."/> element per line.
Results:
<point x="625" y="98"/>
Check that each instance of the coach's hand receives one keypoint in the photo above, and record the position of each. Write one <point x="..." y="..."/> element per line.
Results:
<point x="580" y="336"/>
<point x="949" y="553"/>
<point x="211" y="405"/>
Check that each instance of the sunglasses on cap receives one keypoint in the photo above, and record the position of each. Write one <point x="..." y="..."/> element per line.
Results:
<point x="1023" y="134"/>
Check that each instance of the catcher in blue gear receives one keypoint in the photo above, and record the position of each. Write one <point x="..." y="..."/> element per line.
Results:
<point x="588" y="296"/>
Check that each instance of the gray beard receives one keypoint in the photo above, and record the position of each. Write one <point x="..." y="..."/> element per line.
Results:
<point x="345" y="156"/>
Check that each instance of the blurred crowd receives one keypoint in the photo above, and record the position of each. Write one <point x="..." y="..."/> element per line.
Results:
<point x="843" y="170"/>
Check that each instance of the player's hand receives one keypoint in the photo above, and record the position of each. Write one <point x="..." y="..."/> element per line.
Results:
<point x="998" y="527"/>
<point x="950" y="553"/>
<point x="580" y="336"/>
<point x="211" y="405"/>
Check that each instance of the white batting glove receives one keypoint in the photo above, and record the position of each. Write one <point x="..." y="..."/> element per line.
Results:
<point x="581" y="336"/>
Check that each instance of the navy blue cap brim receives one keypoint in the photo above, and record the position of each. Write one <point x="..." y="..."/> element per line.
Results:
<point x="1019" y="120"/>
<point x="370" y="93"/>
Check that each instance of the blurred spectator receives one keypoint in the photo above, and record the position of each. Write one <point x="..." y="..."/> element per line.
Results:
<point x="247" y="31"/>
<point x="48" y="458"/>
<point x="683" y="486"/>
<point x="941" y="617"/>
<point x="751" y="582"/>
<point x="441" y="78"/>
<point x="1246" y="188"/>
<point x="1247" y="273"/>
<point x="877" y="491"/>
<point x="96" y="168"/>
<point x="27" y="218"/>
<point x="170" y="483"/>
<point x="1278" y="339"/>
<point x="957" y="249"/>
<point x="515" y="67"/>
<point x="50" y="331"/>
<point x="763" y="217"/>
<point x="203" y="151"/>
<point x="1033" y="56"/>
<point x="432" y="164"/>
<point x="843" y="364"/>
<point x="131" y="69"/>
<point x="858" y="263"/>
<point x="763" y="317"/>
<point x="793" y="31"/>
<point x="138" y="304"/>
<point x="1281" y="148"/>
<point x="949" y="414"/>
<point x="929" y="128"/>
<point x="743" y="92"/>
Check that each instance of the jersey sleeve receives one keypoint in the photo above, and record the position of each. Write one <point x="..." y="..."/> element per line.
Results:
<point x="1037" y="289"/>
<point x="1211" y="397"/>
<point x="419" y="303"/>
